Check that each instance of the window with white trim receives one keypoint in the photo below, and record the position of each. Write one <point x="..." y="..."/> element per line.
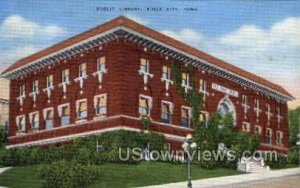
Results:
<point x="256" y="107"/>
<point x="65" y="76"/>
<point x="166" y="111"/>
<point x="257" y="129"/>
<point x="101" y="64"/>
<point x="100" y="103"/>
<point x="186" y="114"/>
<point x="49" y="117"/>
<point x="269" y="136"/>
<point x="268" y="111"/>
<point x="203" y="88"/>
<point x="64" y="114"/>
<point x="185" y="77"/>
<point x="50" y="81"/>
<point x="166" y="72"/>
<point x="35" y="86"/>
<point x="145" y="104"/>
<point x="246" y="127"/>
<point x="279" y="136"/>
<point x="21" y="123"/>
<point x="34" y="120"/>
<point x="82" y="70"/>
<point x="203" y="117"/>
<point x="144" y="65"/>
<point x="22" y="90"/>
<point x="81" y="108"/>
<point x="244" y="99"/>
<point x="279" y="117"/>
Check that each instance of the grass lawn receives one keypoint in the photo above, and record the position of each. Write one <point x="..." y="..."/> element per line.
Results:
<point x="119" y="175"/>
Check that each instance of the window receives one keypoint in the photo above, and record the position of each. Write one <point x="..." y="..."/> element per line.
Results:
<point x="185" y="79"/>
<point x="34" y="120"/>
<point x="21" y="123"/>
<point x="50" y="81"/>
<point x="65" y="75"/>
<point x="269" y="136"/>
<point x="203" y="86"/>
<point x="269" y="114"/>
<point x="22" y="90"/>
<point x="166" y="111"/>
<point x="246" y="127"/>
<point x="64" y="112"/>
<point x="279" y="117"/>
<point x="48" y="115"/>
<point x="279" y="136"/>
<point x="144" y="65"/>
<point x="244" y="99"/>
<point x="257" y="129"/>
<point x="185" y="116"/>
<point x="101" y="64"/>
<point x="81" y="108"/>
<point x="166" y="73"/>
<point x="203" y="117"/>
<point x="256" y="107"/>
<point x="144" y="105"/>
<point x="35" y="86"/>
<point x="82" y="70"/>
<point x="100" y="103"/>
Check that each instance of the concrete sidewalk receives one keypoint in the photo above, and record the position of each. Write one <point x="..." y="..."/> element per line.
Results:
<point x="229" y="181"/>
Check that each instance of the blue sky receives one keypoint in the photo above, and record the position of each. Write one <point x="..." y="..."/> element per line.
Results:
<point x="259" y="36"/>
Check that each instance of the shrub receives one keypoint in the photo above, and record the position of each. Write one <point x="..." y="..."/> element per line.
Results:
<point x="67" y="174"/>
<point x="83" y="150"/>
<point x="280" y="162"/>
<point x="294" y="156"/>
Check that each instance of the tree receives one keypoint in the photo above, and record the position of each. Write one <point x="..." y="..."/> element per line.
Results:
<point x="294" y="123"/>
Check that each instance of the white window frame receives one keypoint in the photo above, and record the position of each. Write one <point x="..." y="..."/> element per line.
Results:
<point x="168" y="80"/>
<point x="31" y="118"/>
<point x="279" y="117"/>
<point x="248" y="127"/>
<point x="99" y="73"/>
<point x="51" y="83"/>
<point x="145" y="73"/>
<point x="23" y="128"/>
<point x="269" y="137"/>
<point x="206" y="114"/>
<point x="95" y="105"/>
<point x="59" y="108"/>
<point x="189" y="114"/>
<point x="257" y="107"/>
<point x="187" y="85"/>
<point x="149" y="103"/>
<point x="22" y="94"/>
<point x="259" y="129"/>
<point x="45" y="115"/>
<point x="268" y="112"/>
<point x="80" y="72"/>
<point x="171" y="106"/>
<point x="77" y="108"/>
<point x="49" y="88"/>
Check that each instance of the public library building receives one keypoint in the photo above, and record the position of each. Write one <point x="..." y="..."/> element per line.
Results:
<point x="106" y="78"/>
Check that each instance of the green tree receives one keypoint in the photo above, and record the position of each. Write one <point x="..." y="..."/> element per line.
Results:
<point x="294" y="123"/>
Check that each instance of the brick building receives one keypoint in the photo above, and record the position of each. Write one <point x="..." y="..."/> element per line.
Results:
<point x="106" y="78"/>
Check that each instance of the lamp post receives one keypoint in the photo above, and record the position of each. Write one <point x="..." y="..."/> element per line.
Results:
<point x="187" y="146"/>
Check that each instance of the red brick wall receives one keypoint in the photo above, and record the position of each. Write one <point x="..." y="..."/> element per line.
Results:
<point x="123" y="84"/>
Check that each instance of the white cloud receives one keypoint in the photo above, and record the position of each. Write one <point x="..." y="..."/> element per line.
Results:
<point x="17" y="27"/>
<point x="10" y="56"/>
<point x="137" y="19"/>
<point x="187" y="35"/>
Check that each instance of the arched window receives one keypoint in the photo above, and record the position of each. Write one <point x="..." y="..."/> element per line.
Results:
<point x="226" y="107"/>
